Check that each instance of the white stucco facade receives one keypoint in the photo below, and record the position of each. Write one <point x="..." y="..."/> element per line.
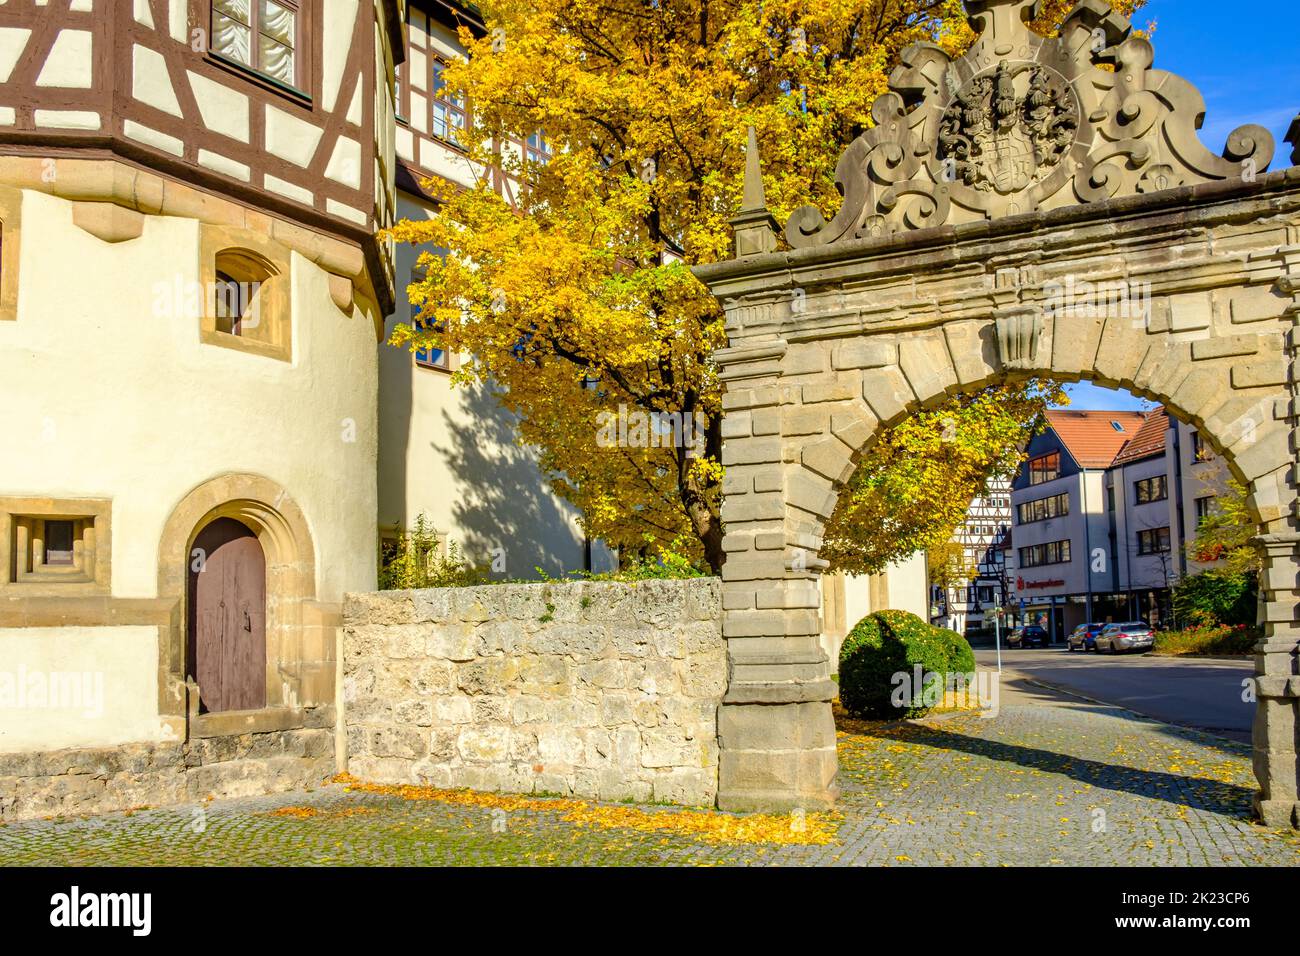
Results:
<point x="111" y="394"/>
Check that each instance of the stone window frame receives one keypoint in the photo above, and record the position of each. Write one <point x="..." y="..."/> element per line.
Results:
<point x="272" y="336"/>
<point x="94" y="576"/>
<point x="11" y="207"/>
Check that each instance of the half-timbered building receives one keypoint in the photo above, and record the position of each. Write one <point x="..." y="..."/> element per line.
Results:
<point x="192" y="296"/>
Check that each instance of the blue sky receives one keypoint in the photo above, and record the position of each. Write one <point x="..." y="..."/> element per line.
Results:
<point x="1245" y="60"/>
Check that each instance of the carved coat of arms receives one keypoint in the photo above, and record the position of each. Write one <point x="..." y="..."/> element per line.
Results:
<point x="993" y="139"/>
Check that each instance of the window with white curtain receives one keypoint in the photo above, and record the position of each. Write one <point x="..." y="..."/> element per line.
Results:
<point x="450" y="111"/>
<point x="261" y="34"/>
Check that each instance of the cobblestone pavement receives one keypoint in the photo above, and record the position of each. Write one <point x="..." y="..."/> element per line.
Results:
<point x="1049" y="781"/>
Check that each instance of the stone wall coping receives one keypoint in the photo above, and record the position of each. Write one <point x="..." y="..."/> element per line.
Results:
<point x="525" y="600"/>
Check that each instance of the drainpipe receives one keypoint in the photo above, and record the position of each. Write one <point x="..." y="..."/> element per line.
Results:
<point x="1087" y="544"/>
<point x="1180" y="502"/>
<point x="1180" y="512"/>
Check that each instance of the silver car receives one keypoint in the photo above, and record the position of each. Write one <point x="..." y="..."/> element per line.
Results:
<point x="1127" y="636"/>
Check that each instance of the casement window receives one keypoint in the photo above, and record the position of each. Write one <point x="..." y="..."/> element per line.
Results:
<point x="1038" y="555"/>
<point x="431" y="357"/>
<point x="1153" y="541"/>
<point x="1151" y="489"/>
<point x="450" y="111"/>
<point x="1203" y="507"/>
<point x="1201" y="451"/>
<point x="537" y="149"/>
<point x="260" y="34"/>
<point x="1044" y="508"/>
<point x="399" y="102"/>
<point x="1045" y="468"/>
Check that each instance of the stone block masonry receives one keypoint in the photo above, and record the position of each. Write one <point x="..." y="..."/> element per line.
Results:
<point x="593" y="689"/>
<point x="105" y="779"/>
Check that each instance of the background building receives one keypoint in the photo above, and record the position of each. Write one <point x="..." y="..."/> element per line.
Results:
<point x="449" y="452"/>
<point x="969" y="608"/>
<point x="1104" y="507"/>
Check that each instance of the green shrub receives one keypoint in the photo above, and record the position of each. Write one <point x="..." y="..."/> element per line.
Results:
<point x="882" y="645"/>
<point x="961" y="659"/>
<point x="416" y="560"/>
<point x="1216" y="596"/>
<point x="1217" y="640"/>
<point x="666" y="564"/>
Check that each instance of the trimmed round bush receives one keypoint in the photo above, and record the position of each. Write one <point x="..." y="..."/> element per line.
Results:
<point x="961" y="659"/>
<point x="883" y="645"/>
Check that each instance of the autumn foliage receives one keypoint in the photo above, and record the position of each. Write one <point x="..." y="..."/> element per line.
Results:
<point x="573" y="290"/>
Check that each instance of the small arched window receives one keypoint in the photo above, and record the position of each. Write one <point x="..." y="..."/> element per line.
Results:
<point x="239" y="291"/>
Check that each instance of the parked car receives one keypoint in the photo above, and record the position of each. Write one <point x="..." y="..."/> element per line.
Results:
<point x="1128" y="636"/>
<point x="1083" y="637"/>
<point x="1030" y="636"/>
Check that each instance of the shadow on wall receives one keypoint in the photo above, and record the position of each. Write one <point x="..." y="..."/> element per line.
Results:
<point x="504" y="499"/>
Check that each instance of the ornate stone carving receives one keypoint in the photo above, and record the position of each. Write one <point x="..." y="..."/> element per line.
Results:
<point x="1022" y="123"/>
<point x="992" y="138"/>
<point x="1018" y="333"/>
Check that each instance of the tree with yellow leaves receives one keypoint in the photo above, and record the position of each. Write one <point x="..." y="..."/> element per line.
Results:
<point x="577" y="295"/>
<point x="912" y="489"/>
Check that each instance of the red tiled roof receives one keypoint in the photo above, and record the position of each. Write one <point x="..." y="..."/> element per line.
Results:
<point x="1092" y="438"/>
<point x="1150" y="439"/>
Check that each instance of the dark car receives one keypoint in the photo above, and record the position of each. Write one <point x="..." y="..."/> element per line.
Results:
<point x="1084" y="637"/>
<point x="1031" y="636"/>
<point x="1127" y="636"/>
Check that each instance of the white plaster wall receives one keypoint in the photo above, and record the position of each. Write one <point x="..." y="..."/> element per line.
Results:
<point x="105" y="399"/>
<point x="907" y="583"/>
<point x="909" y="586"/>
<point x="447" y="452"/>
<point x="109" y="676"/>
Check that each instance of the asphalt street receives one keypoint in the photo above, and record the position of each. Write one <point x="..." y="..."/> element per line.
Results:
<point x="1193" y="692"/>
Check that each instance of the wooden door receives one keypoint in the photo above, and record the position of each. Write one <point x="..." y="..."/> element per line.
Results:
<point x="227" y="617"/>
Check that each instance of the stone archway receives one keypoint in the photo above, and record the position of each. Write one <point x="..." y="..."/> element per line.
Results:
<point x="1001" y="220"/>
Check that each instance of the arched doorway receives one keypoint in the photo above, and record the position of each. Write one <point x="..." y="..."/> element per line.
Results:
<point x="226" y="626"/>
<point x="1121" y="250"/>
<point x="300" y="638"/>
